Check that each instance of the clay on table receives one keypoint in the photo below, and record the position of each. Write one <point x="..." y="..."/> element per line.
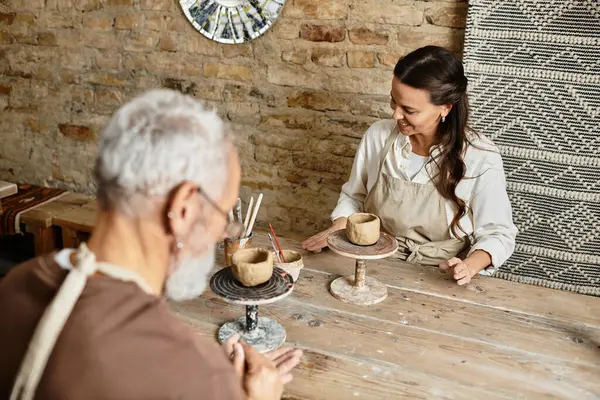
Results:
<point x="252" y="267"/>
<point x="363" y="229"/>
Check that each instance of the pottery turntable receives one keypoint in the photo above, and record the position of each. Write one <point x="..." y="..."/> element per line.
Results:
<point x="360" y="289"/>
<point x="262" y="333"/>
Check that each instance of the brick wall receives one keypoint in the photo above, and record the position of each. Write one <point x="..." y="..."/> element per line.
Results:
<point x="299" y="98"/>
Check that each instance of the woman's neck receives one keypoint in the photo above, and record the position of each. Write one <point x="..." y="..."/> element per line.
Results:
<point x="131" y="244"/>
<point x="421" y="144"/>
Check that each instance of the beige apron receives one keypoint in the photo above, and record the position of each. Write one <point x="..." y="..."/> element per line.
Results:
<point x="56" y="314"/>
<point x="414" y="213"/>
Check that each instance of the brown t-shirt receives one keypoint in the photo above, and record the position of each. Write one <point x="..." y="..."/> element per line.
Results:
<point x="118" y="343"/>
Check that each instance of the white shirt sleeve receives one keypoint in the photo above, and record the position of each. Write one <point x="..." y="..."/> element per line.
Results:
<point x="354" y="192"/>
<point x="493" y="227"/>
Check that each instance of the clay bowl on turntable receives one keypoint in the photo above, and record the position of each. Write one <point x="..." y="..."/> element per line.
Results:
<point x="363" y="229"/>
<point x="252" y="267"/>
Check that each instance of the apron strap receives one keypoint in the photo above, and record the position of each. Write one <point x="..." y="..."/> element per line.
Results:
<point x="56" y="314"/>
<point x="386" y="148"/>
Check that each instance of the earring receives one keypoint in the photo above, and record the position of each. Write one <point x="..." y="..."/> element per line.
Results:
<point x="170" y="214"/>
<point x="179" y="244"/>
<point x="444" y="118"/>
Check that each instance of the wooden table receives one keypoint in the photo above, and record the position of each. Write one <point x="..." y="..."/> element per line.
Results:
<point x="6" y="189"/>
<point x="430" y="338"/>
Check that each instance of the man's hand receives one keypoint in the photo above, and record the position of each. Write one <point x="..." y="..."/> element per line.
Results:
<point x="285" y="358"/>
<point x="228" y="346"/>
<point x="459" y="270"/>
<point x="261" y="380"/>
<point x="233" y="350"/>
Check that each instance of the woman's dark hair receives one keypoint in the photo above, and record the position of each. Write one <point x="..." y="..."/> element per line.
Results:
<point x="441" y="73"/>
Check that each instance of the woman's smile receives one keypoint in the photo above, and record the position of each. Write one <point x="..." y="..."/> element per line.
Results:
<point x="403" y="125"/>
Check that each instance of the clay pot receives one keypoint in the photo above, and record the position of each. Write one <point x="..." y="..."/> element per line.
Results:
<point x="252" y="267"/>
<point x="293" y="264"/>
<point x="363" y="229"/>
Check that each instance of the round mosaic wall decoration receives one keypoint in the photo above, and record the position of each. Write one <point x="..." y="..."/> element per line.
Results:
<point x="232" y="21"/>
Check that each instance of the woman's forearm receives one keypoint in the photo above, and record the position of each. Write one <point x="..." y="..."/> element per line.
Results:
<point x="478" y="260"/>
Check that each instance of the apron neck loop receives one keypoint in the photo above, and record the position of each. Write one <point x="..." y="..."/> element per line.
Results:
<point x="85" y="260"/>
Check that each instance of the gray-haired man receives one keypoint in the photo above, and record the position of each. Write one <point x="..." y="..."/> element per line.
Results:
<point x="91" y="322"/>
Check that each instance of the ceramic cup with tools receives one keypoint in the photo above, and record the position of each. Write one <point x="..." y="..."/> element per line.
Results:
<point x="231" y="245"/>
<point x="252" y="267"/>
<point x="293" y="264"/>
<point x="363" y="229"/>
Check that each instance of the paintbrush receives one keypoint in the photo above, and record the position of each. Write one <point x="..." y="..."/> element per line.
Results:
<point x="277" y="242"/>
<point x="274" y="248"/>
<point x="254" y="214"/>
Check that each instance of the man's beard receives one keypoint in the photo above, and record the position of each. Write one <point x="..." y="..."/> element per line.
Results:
<point x="190" y="277"/>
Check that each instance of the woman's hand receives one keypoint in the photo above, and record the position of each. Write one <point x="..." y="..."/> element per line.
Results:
<point x="464" y="270"/>
<point x="319" y="241"/>
<point x="459" y="270"/>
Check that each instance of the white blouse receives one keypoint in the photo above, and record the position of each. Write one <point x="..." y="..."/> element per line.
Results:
<point x="415" y="164"/>
<point x="489" y="219"/>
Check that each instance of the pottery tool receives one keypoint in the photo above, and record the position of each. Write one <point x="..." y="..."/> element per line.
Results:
<point x="262" y="333"/>
<point x="238" y="211"/>
<point x="254" y="214"/>
<point x="274" y="248"/>
<point x="360" y="289"/>
<point x="248" y="213"/>
<point x="277" y="242"/>
<point x="230" y="215"/>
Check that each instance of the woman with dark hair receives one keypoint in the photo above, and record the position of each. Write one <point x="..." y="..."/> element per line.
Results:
<point x="435" y="184"/>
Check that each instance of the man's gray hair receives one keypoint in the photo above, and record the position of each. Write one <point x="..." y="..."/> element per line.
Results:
<point x="154" y="143"/>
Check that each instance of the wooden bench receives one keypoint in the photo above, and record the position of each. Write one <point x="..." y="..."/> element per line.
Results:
<point x="63" y="219"/>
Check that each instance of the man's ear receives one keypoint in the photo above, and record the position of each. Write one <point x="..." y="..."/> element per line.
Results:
<point x="182" y="208"/>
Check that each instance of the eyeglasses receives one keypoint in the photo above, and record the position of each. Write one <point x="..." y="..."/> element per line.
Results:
<point x="234" y="229"/>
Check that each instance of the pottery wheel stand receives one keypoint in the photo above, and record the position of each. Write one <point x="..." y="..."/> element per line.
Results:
<point x="360" y="289"/>
<point x="262" y="333"/>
